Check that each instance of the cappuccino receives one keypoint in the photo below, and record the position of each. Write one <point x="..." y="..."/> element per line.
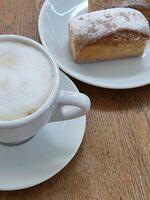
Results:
<point x="26" y="80"/>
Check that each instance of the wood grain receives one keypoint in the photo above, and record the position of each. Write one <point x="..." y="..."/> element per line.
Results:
<point x="113" y="162"/>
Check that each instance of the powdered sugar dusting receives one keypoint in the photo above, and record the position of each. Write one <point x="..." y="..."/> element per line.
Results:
<point x="91" y="27"/>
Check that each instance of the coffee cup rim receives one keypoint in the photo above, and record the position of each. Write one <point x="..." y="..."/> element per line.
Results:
<point x="24" y="120"/>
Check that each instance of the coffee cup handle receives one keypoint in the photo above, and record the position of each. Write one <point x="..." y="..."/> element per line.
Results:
<point x="71" y="105"/>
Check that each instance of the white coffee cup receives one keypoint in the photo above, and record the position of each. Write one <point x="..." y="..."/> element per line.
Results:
<point x="20" y="130"/>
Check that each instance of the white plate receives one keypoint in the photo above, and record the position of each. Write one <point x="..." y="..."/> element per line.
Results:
<point x="44" y="155"/>
<point x="117" y="74"/>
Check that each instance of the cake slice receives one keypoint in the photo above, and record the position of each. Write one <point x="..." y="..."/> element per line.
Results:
<point x="141" y="5"/>
<point x="108" y="34"/>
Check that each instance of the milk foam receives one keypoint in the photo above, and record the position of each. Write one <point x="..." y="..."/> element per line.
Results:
<point x="26" y="80"/>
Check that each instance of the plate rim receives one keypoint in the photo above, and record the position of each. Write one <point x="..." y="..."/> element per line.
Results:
<point x="46" y="178"/>
<point x="76" y="75"/>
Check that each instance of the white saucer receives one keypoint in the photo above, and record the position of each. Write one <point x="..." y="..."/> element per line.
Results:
<point x="117" y="74"/>
<point x="44" y="155"/>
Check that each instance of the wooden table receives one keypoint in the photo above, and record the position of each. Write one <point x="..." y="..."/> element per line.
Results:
<point x="113" y="162"/>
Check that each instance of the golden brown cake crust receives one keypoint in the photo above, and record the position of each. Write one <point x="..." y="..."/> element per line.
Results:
<point x="109" y="51"/>
<point x="141" y="5"/>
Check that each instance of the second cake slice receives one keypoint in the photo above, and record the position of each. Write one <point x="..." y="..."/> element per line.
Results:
<point x="108" y="34"/>
<point x="142" y="5"/>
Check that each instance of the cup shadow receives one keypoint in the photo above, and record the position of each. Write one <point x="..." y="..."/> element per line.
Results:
<point x="116" y="100"/>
